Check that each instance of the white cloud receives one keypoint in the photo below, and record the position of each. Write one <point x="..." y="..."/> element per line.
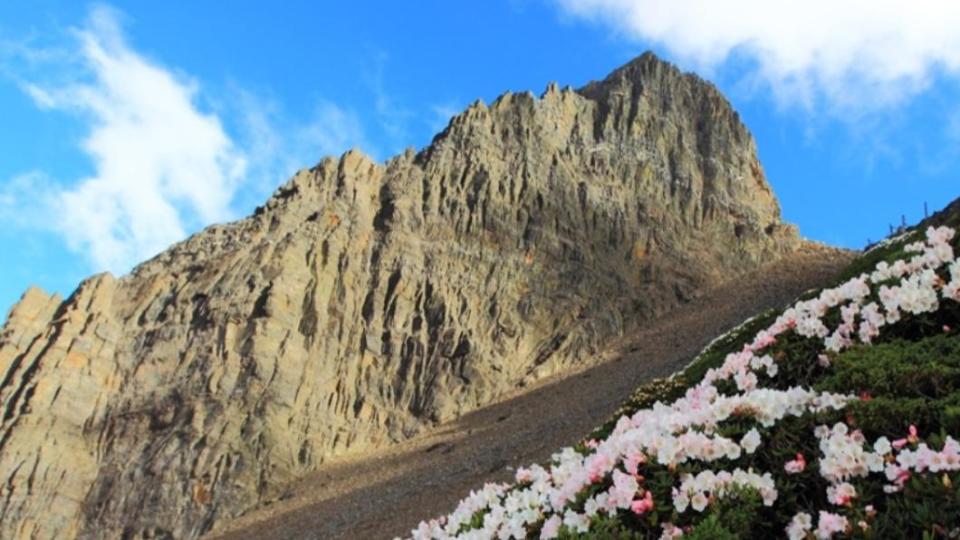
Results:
<point x="855" y="54"/>
<point x="161" y="165"/>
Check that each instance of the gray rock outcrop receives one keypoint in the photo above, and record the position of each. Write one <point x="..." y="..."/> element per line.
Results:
<point x="365" y="301"/>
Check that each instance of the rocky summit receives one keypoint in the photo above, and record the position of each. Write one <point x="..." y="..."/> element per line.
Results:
<point x="365" y="301"/>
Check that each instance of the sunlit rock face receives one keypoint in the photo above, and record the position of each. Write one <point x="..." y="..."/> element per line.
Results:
<point x="365" y="301"/>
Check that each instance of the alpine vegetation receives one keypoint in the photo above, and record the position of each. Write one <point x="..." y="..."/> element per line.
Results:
<point x="834" y="418"/>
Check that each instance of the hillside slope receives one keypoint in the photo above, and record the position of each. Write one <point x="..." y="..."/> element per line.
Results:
<point x="385" y="494"/>
<point x="364" y="301"/>
<point x="833" y="418"/>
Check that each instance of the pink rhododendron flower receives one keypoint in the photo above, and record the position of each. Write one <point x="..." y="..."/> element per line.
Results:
<point x="830" y="524"/>
<point x="763" y="340"/>
<point x="796" y="465"/>
<point x="911" y="438"/>
<point x="551" y="528"/>
<point x="670" y="531"/>
<point x="632" y="462"/>
<point x="623" y="490"/>
<point x="841" y="494"/>
<point x="643" y="505"/>
<point x="523" y="475"/>
<point x="598" y="465"/>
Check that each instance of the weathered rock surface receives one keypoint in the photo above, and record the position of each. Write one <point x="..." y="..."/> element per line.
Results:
<point x="364" y="301"/>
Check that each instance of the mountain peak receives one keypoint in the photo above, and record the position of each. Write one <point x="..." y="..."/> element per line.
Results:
<point x="366" y="301"/>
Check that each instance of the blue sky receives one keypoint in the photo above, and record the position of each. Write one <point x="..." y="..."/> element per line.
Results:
<point x="126" y="126"/>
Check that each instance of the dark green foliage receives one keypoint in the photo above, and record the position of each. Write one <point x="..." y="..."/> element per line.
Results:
<point x="605" y="528"/>
<point x="476" y="522"/>
<point x="711" y="528"/>
<point x="949" y="216"/>
<point x="907" y="382"/>
<point x="928" y="506"/>
<point x="739" y="512"/>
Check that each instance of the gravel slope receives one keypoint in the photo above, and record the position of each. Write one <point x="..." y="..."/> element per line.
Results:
<point x="385" y="494"/>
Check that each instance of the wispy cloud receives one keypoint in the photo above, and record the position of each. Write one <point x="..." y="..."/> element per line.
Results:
<point x="25" y="200"/>
<point x="277" y="145"/>
<point x="443" y="113"/>
<point x="847" y="55"/>
<point x="163" y="165"/>
<point x="393" y="118"/>
<point x="333" y="129"/>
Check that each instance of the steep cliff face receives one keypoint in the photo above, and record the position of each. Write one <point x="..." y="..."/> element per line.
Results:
<point x="364" y="301"/>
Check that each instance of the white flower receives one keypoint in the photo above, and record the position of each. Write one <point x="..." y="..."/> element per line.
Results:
<point x="830" y="524"/>
<point x="745" y="380"/>
<point x="576" y="522"/>
<point x="681" y="501"/>
<point x="882" y="446"/>
<point x="751" y="441"/>
<point x="590" y="507"/>
<point x="551" y="528"/>
<point x="698" y="502"/>
<point x="799" y="526"/>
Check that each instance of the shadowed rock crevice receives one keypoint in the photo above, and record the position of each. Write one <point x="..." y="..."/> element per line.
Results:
<point x="365" y="301"/>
